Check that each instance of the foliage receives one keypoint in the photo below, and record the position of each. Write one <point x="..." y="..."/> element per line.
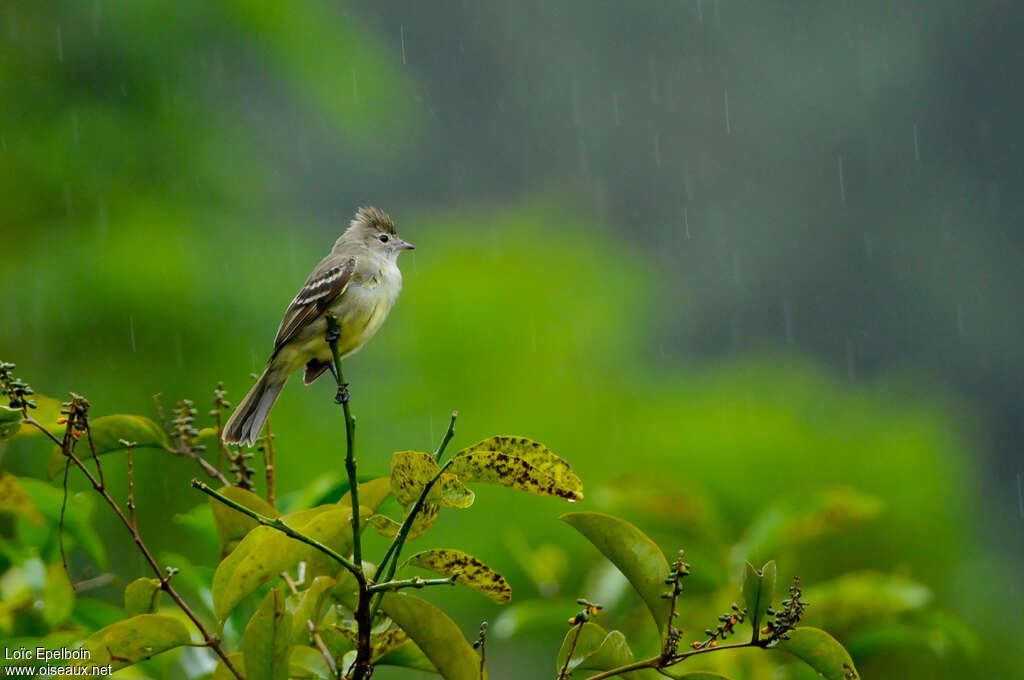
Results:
<point x="323" y="611"/>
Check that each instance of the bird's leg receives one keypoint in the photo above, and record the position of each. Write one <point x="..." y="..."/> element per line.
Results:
<point x="343" y="394"/>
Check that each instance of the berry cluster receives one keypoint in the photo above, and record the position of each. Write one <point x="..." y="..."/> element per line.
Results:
<point x="726" y="626"/>
<point x="16" y="390"/>
<point x="786" y="620"/>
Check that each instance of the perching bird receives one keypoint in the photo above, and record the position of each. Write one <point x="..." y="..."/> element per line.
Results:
<point x="359" y="282"/>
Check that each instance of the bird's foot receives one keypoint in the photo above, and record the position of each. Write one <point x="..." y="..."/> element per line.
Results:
<point x="343" y="394"/>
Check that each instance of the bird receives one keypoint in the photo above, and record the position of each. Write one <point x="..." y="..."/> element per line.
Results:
<point x="358" y="282"/>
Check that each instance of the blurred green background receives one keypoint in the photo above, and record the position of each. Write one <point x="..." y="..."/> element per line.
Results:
<point x="722" y="256"/>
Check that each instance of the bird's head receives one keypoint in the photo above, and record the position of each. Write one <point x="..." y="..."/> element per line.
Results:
<point x="372" y="228"/>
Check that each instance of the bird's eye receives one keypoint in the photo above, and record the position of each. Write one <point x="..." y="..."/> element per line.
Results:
<point x="383" y="238"/>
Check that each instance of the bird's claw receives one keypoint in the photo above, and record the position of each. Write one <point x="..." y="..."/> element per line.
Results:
<point x="343" y="394"/>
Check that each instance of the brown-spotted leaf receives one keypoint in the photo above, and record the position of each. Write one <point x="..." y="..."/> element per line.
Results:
<point x="388" y="528"/>
<point x="471" y="572"/>
<point x="233" y="525"/>
<point x="380" y="643"/>
<point x="518" y="463"/>
<point x="411" y="471"/>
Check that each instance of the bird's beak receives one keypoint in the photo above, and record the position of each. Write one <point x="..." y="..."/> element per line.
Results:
<point x="405" y="245"/>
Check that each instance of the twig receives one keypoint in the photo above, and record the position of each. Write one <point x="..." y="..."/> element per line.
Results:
<point x="203" y="463"/>
<point x="657" y="662"/>
<point x="208" y="639"/>
<point x="414" y="582"/>
<point x="564" y="673"/>
<point x="268" y="462"/>
<point x="279" y="525"/>
<point x="131" y="483"/>
<point x="481" y="644"/>
<point x="447" y="437"/>
<point x="60" y="529"/>
<point x="326" y="653"/>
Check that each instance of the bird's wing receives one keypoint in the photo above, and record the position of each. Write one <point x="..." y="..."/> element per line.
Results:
<point x="324" y="285"/>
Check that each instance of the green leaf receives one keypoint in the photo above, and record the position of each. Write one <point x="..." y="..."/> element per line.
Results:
<point x="471" y="572"/>
<point x="518" y="463"/>
<point x="58" y="596"/>
<point x="596" y="649"/>
<point x="233" y="525"/>
<point x="436" y="634"/>
<point x="308" y="608"/>
<point x="267" y="640"/>
<point x="804" y="518"/>
<point x="866" y="597"/>
<point x="107" y="433"/>
<point x="221" y="672"/>
<point x="265" y="552"/>
<point x="371" y="493"/>
<point x="78" y="522"/>
<point x="47" y="412"/>
<point x="590" y="638"/>
<point x="694" y="675"/>
<point x="632" y="552"/>
<point x="140" y="596"/>
<point x="308" y="662"/>
<point x="407" y="655"/>
<point x="10" y="422"/>
<point x="133" y="640"/>
<point x="758" y="588"/>
<point x="820" y="651"/>
<point x="15" y="501"/>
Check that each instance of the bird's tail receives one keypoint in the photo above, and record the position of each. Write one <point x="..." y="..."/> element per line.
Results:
<point x="244" y="425"/>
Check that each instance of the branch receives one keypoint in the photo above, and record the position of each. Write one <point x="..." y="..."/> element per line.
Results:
<point x="564" y="673"/>
<point x="203" y="463"/>
<point x="279" y="525"/>
<point x="658" y="662"/>
<point x="414" y="582"/>
<point x="165" y="585"/>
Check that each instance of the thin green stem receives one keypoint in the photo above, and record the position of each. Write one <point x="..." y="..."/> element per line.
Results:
<point x="390" y="561"/>
<point x="659" y="662"/>
<point x="447" y="437"/>
<point x="279" y="525"/>
<point x="414" y="582"/>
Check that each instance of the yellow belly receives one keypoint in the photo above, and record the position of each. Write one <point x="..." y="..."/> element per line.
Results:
<point x="361" y="311"/>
